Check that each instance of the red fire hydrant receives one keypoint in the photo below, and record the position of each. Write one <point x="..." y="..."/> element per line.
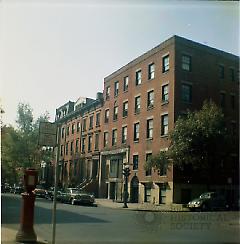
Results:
<point x="26" y="232"/>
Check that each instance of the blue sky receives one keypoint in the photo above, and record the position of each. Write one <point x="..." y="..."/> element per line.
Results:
<point x="56" y="51"/>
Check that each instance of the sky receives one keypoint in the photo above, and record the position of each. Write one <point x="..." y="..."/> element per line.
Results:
<point x="53" y="51"/>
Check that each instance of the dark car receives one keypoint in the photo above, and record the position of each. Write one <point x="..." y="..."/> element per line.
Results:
<point x="40" y="191"/>
<point x="209" y="201"/>
<point x="50" y="194"/>
<point x="17" y="189"/>
<point x="76" y="196"/>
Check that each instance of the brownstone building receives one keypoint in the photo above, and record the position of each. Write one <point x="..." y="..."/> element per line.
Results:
<point x="141" y="102"/>
<point x="79" y="143"/>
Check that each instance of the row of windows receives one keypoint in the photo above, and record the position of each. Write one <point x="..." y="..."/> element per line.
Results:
<point x="66" y="131"/>
<point x="138" y="77"/>
<point x="186" y="96"/>
<point x="136" y="131"/>
<point x="222" y="73"/>
<point x="135" y="162"/>
<point x="64" y="149"/>
<point x="186" y="65"/>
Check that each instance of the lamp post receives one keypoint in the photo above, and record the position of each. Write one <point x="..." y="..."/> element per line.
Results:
<point x="126" y="173"/>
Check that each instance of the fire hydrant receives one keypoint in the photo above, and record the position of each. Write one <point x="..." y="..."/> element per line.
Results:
<point x="26" y="232"/>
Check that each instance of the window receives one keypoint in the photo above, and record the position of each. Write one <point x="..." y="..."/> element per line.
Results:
<point x="222" y="99"/>
<point x="96" y="141"/>
<point x="107" y="92"/>
<point x="66" y="148"/>
<point x="83" y="144"/>
<point x="125" y="109"/>
<point x="135" y="162"/>
<point x="232" y="74"/>
<point x="116" y="88"/>
<point x="233" y="102"/>
<point x="162" y="199"/>
<point x="186" y="93"/>
<point x="105" y="139"/>
<point x="136" y="131"/>
<point x="149" y="128"/>
<point x="61" y="153"/>
<point x="114" y="137"/>
<point x="138" y="77"/>
<point x="150" y="99"/>
<point x="84" y="124"/>
<point x="165" y="63"/>
<point x="164" y="124"/>
<point x="137" y="104"/>
<point x="73" y="128"/>
<point x="91" y="122"/>
<point x="78" y="126"/>
<point x="89" y="143"/>
<point x="115" y="113"/>
<point x="125" y="83"/>
<point x="124" y="134"/>
<point x="151" y="71"/>
<point x="165" y="93"/>
<point x="71" y="147"/>
<point x="97" y="119"/>
<point x="147" y="193"/>
<point x="77" y="145"/>
<point x="221" y="71"/>
<point x="149" y="171"/>
<point x="106" y="117"/>
<point x="67" y="132"/>
<point x="63" y="131"/>
<point x="186" y="63"/>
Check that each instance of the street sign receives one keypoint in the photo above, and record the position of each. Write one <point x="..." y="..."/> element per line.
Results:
<point x="47" y="134"/>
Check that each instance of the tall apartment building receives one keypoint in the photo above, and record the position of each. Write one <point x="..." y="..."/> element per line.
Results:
<point x="141" y="102"/>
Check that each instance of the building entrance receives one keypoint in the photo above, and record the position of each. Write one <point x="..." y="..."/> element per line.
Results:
<point x="134" y="189"/>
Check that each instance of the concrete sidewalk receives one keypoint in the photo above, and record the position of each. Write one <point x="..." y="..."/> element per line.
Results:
<point x="8" y="236"/>
<point x="142" y="206"/>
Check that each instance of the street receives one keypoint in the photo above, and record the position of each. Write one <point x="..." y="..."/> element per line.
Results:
<point x="85" y="224"/>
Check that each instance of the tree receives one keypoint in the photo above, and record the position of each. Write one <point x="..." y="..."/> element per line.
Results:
<point x="198" y="140"/>
<point x="159" y="161"/>
<point x="20" y="147"/>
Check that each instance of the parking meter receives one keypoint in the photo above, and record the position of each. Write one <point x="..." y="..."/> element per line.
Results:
<point x="30" y="179"/>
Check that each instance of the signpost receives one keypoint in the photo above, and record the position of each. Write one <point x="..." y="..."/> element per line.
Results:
<point x="49" y="135"/>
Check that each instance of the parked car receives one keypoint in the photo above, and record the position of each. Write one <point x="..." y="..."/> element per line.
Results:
<point x="5" y="188"/>
<point x="40" y="191"/>
<point x="50" y="194"/>
<point x="17" y="189"/>
<point x="76" y="196"/>
<point x="209" y="201"/>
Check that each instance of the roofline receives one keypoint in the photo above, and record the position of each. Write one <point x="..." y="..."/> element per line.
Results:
<point x="172" y="40"/>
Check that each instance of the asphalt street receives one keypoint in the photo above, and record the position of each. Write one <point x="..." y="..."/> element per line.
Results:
<point x="85" y="224"/>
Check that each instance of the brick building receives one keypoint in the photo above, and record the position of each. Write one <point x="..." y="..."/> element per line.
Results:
<point x="79" y="143"/>
<point x="142" y="100"/>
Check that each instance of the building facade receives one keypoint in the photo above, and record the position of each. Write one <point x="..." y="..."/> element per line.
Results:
<point x="141" y="102"/>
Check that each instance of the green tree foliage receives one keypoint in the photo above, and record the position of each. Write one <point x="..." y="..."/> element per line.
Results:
<point x="199" y="140"/>
<point x="20" y="147"/>
<point x="159" y="161"/>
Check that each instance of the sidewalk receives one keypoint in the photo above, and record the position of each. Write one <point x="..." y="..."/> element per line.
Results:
<point x="142" y="206"/>
<point x="8" y="236"/>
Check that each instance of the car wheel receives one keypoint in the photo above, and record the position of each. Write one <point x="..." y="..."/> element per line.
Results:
<point x="72" y="202"/>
